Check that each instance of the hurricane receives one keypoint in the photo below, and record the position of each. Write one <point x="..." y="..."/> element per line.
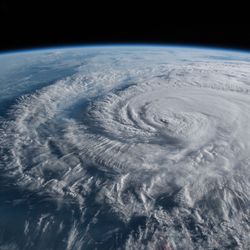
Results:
<point x="125" y="148"/>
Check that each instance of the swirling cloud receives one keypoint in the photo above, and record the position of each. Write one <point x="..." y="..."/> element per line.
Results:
<point x="155" y="154"/>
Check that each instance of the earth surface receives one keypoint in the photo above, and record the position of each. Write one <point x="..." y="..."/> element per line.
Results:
<point x="125" y="147"/>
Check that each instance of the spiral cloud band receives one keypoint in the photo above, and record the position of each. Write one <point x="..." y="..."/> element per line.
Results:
<point x="139" y="148"/>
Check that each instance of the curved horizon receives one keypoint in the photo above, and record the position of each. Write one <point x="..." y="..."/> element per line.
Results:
<point x="111" y="45"/>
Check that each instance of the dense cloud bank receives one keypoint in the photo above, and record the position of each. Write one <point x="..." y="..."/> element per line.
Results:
<point x="138" y="149"/>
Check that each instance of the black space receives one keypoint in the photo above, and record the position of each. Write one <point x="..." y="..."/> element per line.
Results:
<point x="40" y="24"/>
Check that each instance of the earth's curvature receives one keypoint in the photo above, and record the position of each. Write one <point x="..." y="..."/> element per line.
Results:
<point x="125" y="147"/>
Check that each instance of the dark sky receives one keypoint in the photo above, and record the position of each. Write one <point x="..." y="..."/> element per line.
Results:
<point x="40" y="24"/>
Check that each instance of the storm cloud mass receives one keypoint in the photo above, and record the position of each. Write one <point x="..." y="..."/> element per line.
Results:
<point x="125" y="148"/>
